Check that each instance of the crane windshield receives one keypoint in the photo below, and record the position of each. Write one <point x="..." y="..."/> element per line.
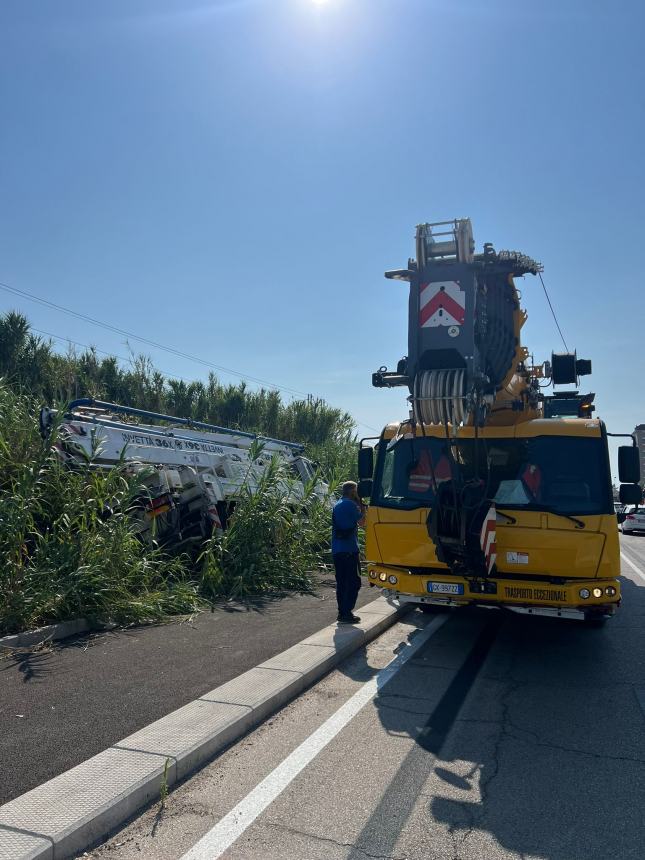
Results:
<point x="565" y="475"/>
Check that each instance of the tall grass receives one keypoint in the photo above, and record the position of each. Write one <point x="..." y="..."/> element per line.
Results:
<point x="270" y="545"/>
<point x="69" y="545"/>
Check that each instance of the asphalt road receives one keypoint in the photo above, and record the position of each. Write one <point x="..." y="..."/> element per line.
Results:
<point x="501" y="737"/>
<point x="65" y="703"/>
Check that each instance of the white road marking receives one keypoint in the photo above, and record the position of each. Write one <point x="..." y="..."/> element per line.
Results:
<point x="214" y="843"/>
<point x="636" y="570"/>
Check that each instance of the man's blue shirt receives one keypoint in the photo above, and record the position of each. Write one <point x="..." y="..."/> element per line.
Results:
<point x="346" y="516"/>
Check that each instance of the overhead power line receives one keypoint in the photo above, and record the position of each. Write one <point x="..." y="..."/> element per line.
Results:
<point x="147" y="341"/>
<point x="553" y="312"/>
<point x="109" y="327"/>
<point x="93" y="348"/>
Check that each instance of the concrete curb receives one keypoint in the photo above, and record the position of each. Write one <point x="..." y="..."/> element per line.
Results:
<point x="50" y="633"/>
<point x="76" y="809"/>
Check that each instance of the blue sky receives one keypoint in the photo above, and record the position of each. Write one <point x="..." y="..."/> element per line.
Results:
<point x="232" y="178"/>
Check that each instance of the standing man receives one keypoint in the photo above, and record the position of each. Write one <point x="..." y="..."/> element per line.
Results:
<point x="347" y="515"/>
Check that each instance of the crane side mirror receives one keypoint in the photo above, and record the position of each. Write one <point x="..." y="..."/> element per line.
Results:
<point x="365" y="488"/>
<point x="365" y="463"/>
<point x="630" y="494"/>
<point x="629" y="465"/>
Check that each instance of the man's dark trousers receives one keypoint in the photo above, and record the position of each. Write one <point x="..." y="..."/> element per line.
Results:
<point x="348" y="582"/>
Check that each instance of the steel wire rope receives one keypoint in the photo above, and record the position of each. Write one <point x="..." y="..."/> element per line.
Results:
<point x="555" y="319"/>
<point x="92" y="348"/>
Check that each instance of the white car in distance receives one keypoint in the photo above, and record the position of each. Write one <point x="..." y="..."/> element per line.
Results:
<point x="634" y="519"/>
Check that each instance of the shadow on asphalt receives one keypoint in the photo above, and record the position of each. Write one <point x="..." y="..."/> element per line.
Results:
<point x="357" y="666"/>
<point x="33" y="662"/>
<point x="533" y="776"/>
<point x="260" y="603"/>
<point x="30" y="663"/>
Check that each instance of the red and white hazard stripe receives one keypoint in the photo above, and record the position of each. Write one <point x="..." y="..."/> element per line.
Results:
<point x="441" y="303"/>
<point x="421" y="476"/>
<point x="419" y="483"/>
<point x="214" y="518"/>
<point x="487" y="538"/>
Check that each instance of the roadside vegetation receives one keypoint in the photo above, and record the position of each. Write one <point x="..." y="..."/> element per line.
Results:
<point x="68" y="543"/>
<point x="30" y="363"/>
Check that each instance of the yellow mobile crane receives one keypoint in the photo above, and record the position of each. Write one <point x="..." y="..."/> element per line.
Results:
<point x="490" y="492"/>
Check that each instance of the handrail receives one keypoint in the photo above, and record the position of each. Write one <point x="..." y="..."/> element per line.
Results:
<point x="188" y="422"/>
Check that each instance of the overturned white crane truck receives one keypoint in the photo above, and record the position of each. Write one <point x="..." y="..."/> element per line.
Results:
<point x="193" y="473"/>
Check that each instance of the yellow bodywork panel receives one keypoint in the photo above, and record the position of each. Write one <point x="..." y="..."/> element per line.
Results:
<point x="521" y="430"/>
<point x="405" y="544"/>
<point x="538" y="543"/>
<point x="555" y="551"/>
<point x="400" y="535"/>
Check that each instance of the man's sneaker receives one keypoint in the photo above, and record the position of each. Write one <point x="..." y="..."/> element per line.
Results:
<point x="350" y="618"/>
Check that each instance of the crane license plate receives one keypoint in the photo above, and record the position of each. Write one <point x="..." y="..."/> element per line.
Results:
<point x="445" y="588"/>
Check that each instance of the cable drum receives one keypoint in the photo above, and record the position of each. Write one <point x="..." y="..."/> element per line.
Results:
<point x="439" y="397"/>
